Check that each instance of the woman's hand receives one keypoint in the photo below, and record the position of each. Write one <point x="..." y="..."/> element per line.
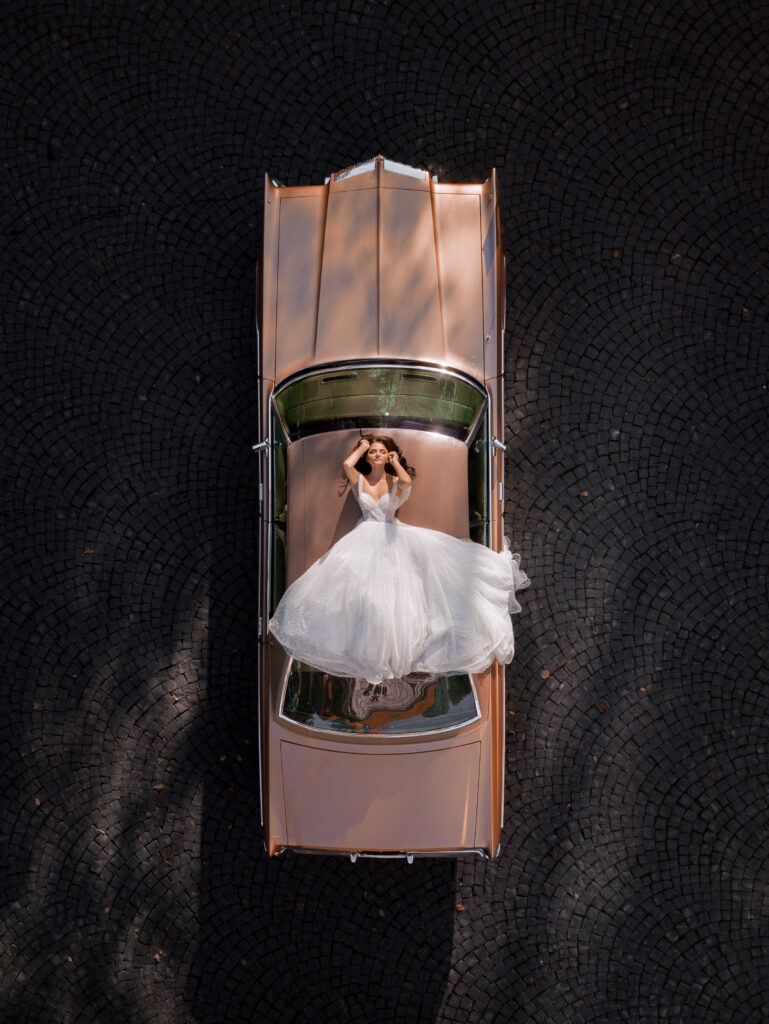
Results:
<point x="349" y="463"/>
<point x="404" y="480"/>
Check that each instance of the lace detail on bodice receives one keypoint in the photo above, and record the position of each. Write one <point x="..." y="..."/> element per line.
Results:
<point x="384" y="509"/>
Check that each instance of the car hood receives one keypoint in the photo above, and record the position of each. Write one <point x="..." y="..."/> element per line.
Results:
<point x="381" y="264"/>
<point x="383" y="800"/>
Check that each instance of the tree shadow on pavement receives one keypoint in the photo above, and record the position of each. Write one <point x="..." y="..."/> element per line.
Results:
<point x="297" y="937"/>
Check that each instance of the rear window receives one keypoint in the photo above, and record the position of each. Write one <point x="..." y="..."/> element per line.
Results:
<point x="420" y="398"/>
<point x="415" y="704"/>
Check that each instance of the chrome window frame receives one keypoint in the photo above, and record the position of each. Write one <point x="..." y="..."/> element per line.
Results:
<point x="261" y="626"/>
<point x="271" y="520"/>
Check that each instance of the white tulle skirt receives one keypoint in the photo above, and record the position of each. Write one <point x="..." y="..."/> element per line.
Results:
<point x="390" y="599"/>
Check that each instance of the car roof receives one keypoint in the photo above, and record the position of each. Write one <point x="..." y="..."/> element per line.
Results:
<point x="321" y="508"/>
<point x="381" y="261"/>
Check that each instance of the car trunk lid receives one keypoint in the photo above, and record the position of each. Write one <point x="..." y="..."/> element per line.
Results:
<point x="381" y="800"/>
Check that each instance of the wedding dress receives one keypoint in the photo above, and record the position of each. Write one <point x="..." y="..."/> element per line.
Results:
<point x="390" y="599"/>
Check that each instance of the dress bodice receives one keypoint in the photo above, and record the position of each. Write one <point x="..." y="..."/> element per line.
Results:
<point x="384" y="509"/>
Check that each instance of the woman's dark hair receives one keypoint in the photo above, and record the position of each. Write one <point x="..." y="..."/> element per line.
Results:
<point x="363" y="467"/>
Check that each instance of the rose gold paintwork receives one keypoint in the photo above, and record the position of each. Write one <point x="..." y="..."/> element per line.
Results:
<point x="381" y="266"/>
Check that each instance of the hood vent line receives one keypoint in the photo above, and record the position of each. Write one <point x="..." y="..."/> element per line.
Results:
<point x="320" y="272"/>
<point x="437" y="264"/>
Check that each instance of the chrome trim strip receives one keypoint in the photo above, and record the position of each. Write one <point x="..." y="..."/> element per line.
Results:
<point x="268" y="503"/>
<point x="355" y="170"/>
<point x="265" y="541"/>
<point x="281" y="424"/>
<point x="407" y="855"/>
<point x="503" y="760"/>
<point x="489" y="479"/>
<point x="262" y="538"/>
<point x="407" y="170"/>
<point x="423" y="853"/>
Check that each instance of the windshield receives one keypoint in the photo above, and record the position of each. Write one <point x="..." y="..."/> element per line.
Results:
<point x="414" y="704"/>
<point x="418" y="397"/>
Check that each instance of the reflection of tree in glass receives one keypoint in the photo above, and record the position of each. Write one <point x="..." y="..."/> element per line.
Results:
<point x="457" y="688"/>
<point x="390" y="695"/>
<point x="415" y="703"/>
<point x="441" y="703"/>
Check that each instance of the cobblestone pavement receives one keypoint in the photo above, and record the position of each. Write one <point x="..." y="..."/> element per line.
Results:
<point x="632" y="142"/>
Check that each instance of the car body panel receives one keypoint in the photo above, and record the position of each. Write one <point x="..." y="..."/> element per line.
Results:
<point x="380" y="267"/>
<point x="409" y="294"/>
<point x="387" y="801"/>
<point x="355" y="269"/>
<point x="300" y="254"/>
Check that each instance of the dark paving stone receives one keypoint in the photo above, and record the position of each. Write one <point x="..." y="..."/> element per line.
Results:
<point x="632" y="145"/>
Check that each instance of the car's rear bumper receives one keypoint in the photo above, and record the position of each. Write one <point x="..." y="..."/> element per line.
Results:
<point x="407" y="855"/>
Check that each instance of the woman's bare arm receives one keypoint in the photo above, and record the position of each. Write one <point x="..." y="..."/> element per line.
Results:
<point x="348" y="465"/>
<point x="404" y="480"/>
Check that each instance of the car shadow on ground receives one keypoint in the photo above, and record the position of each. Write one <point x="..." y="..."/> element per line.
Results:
<point x="296" y="937"/>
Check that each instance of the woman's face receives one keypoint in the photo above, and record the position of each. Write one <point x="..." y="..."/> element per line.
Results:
<point x="377" y="454"/>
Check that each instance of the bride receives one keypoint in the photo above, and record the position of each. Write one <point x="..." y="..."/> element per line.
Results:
<point x="390" y="599"/>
